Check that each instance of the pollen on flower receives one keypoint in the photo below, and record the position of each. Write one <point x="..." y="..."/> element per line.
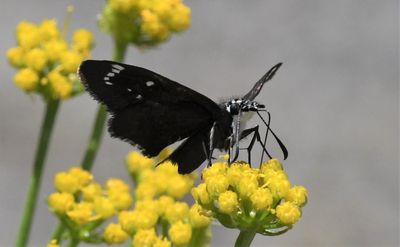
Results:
<point x="180" y="233"/>
<point x="81" y="213"/>
<point x="113" y="234"/>
<point x="216" y="185"/>
<point x="261" y="198"/>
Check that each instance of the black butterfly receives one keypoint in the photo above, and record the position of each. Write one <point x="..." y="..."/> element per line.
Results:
<point x="152" y="112"/>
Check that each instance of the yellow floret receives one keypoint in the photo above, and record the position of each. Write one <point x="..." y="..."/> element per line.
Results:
<point x="61" y="86"/>
<point x="288" y="213"/>
<point x="144" y="238"/>
<point x="16" y="56"/>
<point x="82" y="39"/>
<point x="48" y="30"/>
<point x="201" y="195"/>
<point x="176" y="212"/>
<point x="228" y="202"/>
<point x="180" y="233"/>
<point x="55" y="49"/>
<point x="136" y="162"/>
<point x="162" y="243"/>
<point x="53" y="243"/>
<point x="261" y="199"/>
<point x="70" y="61"/>
<point x="297" y="195"/>
<point x="82" y="213"/>
<point x="65" y="182"/>
<point x="26" y="79"/>
<point x="197" y="219"/>
<point x="61" y="202"/>
<point x="216" y="185"/>
<point x="28" y="35"/>
<point x="103" y="207"/>
<point x="91" y="191"/>
<point x="113" y="234"/>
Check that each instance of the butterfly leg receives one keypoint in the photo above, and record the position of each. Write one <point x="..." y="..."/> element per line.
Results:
<point x="211" y="145"/>
<point x="280" y="143"/>
<point x="256" y="137"/>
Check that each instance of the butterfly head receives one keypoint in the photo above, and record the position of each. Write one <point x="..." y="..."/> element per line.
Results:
<point x="235" y="106"/>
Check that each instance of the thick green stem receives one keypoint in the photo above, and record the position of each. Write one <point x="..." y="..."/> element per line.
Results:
<point x="245" y="238"/>
<point x="35" y="182"/>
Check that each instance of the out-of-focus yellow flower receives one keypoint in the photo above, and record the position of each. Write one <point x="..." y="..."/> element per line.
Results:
<point x="198" y="220"/>
<point x="179" y="186"/>
<point x="145" y="191"/>
<point x="82" y="39"/>
<point x="91" y="191"/>
<point x="127" y="221"/>
<point x="117" y="184"/>
<point x="180" y="233"/>
<point x="149" y="205"/>
<point x="137" y="162"/>
<point x="103" y="207"/>
<point x="48" y="30"/>
<point x="28" y="35"/>
<point x="60" y="85"/>
<point x="297" y="195"/>
<point x="70" y="61"/>
<point x="288" y="213"/>
<point x="84" y="177"/>
<point x="177" y="212"/>
<point x="113" y="234"/>
<point x="54" y="49"/>
<point x="60" y="202"/>
<point x="152" y="26"/>
<point x="36" y="59"/>
<point x="228" y="202"/>
<point x="82" y="213"/>
<point x="53" y="243"/>
<point x="120" y="200"/>
<point x="65" y="182"/>
<point x="15" y="56"/>
<point x="144" y="238"/>
<point x="123" y="6"/>
<point x="27" y="79"/>
<point x="164" y="203"/>
<point x="52" y="63"/>
<point x="162" y="242"/>
<point x="261" y="198"/>
<point x="180" y="21"/>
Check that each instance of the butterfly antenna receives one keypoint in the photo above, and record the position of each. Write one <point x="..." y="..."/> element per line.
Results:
<point x="280" y="143"/>
<point x="260" y="83"/>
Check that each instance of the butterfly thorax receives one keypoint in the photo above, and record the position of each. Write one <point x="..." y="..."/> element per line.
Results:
<point x="235" y="106"/>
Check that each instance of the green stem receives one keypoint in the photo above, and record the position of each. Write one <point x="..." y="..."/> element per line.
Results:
<point x="95" y="138"/>
<point x="35" y="182"/>
<point x="73" y="242"/>
<point x="245" y="238"/>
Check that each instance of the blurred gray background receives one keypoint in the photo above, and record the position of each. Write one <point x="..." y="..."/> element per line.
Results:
<point x="334" y="103"/>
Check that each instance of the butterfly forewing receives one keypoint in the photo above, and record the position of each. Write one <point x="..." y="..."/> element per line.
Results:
<point x="149" y="110"/>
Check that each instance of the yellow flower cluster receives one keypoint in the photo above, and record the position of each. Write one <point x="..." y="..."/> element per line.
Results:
<point x="81" y="201"/>
<point x="157" y="208"/>
<point x="45" y="61"/>
<point x="145" y="22"/>
<point x="243" y="197"/>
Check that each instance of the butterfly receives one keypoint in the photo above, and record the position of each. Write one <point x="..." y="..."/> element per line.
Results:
<point x="152" y="112"/>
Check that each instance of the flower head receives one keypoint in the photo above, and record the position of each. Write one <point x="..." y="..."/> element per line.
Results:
<point x="45" y="61"/>
<point x="180" y="233"/>
<point x="113" y="234"/>
<point x="239" y="196"/>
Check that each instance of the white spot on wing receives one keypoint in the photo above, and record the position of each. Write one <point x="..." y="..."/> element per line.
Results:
<point x="118" y="67"/>
<point x="115" y="71"/>
<point x="149" y="83"/>
<point x="110" y="74"/>
<point x="139" y="96"/>
<point x="129" y="90"/>
<point x="108" y="83"/>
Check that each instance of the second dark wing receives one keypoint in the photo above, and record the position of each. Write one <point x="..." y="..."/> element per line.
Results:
<point x="148" y="110"/>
